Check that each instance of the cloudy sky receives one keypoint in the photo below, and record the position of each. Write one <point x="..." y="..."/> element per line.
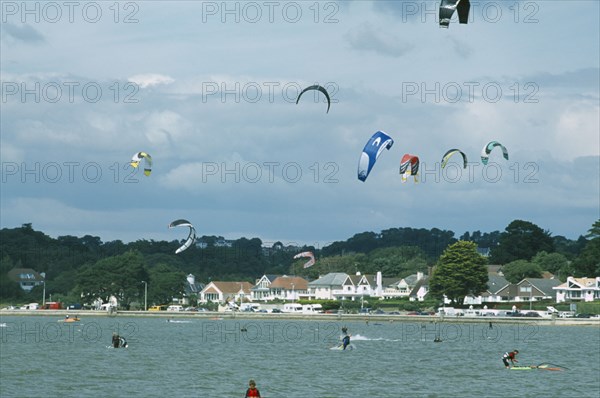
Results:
<point x="208" y="89"/>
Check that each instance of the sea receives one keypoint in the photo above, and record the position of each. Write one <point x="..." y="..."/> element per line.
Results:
<point x="40" y="356"/>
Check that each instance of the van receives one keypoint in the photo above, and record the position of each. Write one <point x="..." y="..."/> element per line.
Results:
<point x="293" y="308"/>
<point x="312" y="309"/>
<point x="175" y="308"/>
<point x="157" y="308"/>
<point x="250" y="307"/>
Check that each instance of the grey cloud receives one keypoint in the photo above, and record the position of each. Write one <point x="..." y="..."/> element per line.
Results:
<point x="366" y="38"/>
<point x="24" y="33"/>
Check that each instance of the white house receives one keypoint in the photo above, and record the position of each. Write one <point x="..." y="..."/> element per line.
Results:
<point x="222" y="292"/>
<point x="578" y="289"/>
<point x="289" y="288"/>
<point x="322" y="288"/>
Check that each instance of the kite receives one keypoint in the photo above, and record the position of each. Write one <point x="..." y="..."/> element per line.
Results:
<point x="451" y="152"/>
<point x="309" y="255"/>
<point x="137" y="158"/>
<point x="191" y="237"/>
<point x="318" y="88"/>
<point x="409" y="165"/>
<point x="485" y="152"/>
<point x="376" y="144"/>
<point x="447" y="8"/>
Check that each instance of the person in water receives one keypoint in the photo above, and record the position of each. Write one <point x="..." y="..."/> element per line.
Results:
<point x="116" y="340"/>
<point x="510" y="356"/>
<point x="346" y="341"/>
<point x="252" y="391"/>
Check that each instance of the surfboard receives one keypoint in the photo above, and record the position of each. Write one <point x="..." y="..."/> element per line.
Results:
<point x="341" y="347"/>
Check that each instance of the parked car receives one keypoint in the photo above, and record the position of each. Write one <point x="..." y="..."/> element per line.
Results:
<point x="380" y="311"/>
<point x="276" y="311"/>
<point x="583" y="315"/>
<point x="515" y="314"/>
<point x="532" y="315"/>
<point x="175" y="308"/>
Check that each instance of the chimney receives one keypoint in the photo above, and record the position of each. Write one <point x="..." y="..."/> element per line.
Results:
<point x="419" y="276"/>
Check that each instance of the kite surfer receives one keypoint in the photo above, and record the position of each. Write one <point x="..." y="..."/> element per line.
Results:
<point x="510" y="356"/>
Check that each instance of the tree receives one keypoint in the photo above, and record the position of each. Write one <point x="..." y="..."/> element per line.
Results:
<point x="118" y="276"/>
<point x="517" y="270"/>
<point x="594" y="231"/>
<point x="521" y="241"/>
<point x="460" y="271"/>
<point x="587" y="264"/>
<point x="165" y="283"/>
<point x="555" y="263"/>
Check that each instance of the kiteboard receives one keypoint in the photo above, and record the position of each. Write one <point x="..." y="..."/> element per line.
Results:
<point x="543" y="366"/>
<point x="341" y="347"/>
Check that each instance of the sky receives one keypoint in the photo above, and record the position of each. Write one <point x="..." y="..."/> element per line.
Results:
<point x="209" y="90"/>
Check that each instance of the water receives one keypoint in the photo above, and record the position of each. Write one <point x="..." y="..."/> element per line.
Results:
<point x="290" y="358"/>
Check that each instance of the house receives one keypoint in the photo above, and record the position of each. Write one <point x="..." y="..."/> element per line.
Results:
<point x="354" y="286"/>
<point x="578" y="289"/>
<point x="420" y="290"/>
<point x="534" y="289"/>
<point x="289" y="288"/>
<point x="498" y="290"/>
<point x="222" y="292"/>
<point x="262" y="288"/>
<point x="323" y="288"/>
<point x="403" y="287"/>
<point x="190" y="288"/>
<point x="27" y="278"/>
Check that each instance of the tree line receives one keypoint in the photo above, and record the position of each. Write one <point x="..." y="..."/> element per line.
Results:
<point x="76" y="265"/>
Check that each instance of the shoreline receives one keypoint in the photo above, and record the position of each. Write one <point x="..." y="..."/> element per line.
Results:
<point x="82" y="314"/>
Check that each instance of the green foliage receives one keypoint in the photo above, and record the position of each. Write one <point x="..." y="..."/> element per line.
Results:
<point x="521" y="241"/>
<point x="590" y="307"/>
<point x="588" y="262"/>
<point x="516" y="271"/>
<point x="431" y="242"/>
<point x="118" y="276"/>
<point x="459" y="272"/>
<point x="165" y="282"/>
<point x="594" y="231"/>
<point x="76" y="263"/>
<point x="483" y="240"/>
<point x="555" y="263"/>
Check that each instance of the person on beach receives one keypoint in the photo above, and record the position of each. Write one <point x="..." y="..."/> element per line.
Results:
<point x="510" y="356"/>
<point x="252" y="391"/>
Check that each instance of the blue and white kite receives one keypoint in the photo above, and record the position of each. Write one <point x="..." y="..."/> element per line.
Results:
<point x="378" y="142"/>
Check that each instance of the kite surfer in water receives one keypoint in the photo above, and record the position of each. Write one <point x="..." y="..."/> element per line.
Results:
<point x="346" y="338"/>
<point x="118" y="341"/>
<point x="510" y="356"/>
